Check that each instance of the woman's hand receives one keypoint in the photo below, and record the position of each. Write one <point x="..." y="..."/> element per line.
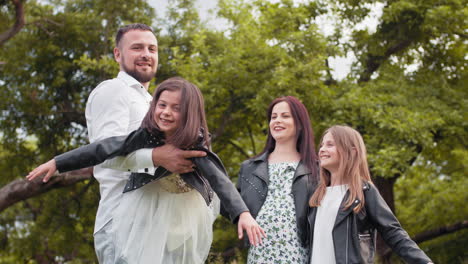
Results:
<point x="48" y="168"/>
<point x="254" y="231"/>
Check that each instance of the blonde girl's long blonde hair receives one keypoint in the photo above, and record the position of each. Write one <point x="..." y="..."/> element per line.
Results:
<point x="353" y="168"/>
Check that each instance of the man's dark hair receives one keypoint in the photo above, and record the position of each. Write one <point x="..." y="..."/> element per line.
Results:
<point x="127" y="28"/>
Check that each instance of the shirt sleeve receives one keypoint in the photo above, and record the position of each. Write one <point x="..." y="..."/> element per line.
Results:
<point x="108" y="112"/>
<point x="137" y="161"/>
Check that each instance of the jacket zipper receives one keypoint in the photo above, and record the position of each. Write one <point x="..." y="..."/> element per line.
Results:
<point x="205" y="186"/>
<point x="347" y="238"/>
<point x="363" y="236"/>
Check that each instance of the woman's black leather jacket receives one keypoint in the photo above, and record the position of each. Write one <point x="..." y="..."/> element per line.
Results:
<point x="253" y="186"/>
<point x="209" y="174"/>
<point x="354" y="234"/>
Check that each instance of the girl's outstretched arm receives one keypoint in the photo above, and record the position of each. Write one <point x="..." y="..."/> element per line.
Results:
<point x="48" y="168"/>
<point x="251" y="227"/>
<point x="90" y="155"/>
<point x="213" y="170"/>
<point x="390" y="229"/>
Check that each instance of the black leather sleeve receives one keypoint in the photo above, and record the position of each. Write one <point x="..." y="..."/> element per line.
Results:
<point x="99" y="151"/>
<point x="224" y="212"/>
<point x="213" y="170"/>
<point x="388" y="226"/>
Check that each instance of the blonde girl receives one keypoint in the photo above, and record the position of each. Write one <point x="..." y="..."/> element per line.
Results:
<point x="347" y="208"/>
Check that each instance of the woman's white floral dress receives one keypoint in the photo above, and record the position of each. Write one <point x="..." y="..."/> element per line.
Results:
<point x="278" y="218"/>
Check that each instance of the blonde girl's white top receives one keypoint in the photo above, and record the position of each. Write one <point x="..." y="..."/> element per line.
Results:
<point x="323" y="251"/>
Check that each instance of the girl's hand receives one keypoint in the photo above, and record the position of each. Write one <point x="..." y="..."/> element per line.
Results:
<point x="254" y="231"/>
<point x="48" y="168"/>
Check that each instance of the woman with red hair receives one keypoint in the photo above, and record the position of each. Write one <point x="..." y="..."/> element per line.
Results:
<point x="277" y="184"/>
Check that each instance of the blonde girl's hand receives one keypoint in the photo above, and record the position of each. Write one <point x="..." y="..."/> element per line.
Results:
<point x="48" y="168"/>
<point x="253" y="230"/>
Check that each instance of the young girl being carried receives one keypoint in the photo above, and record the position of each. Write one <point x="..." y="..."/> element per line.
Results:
<point x="166" y="218"/>
<point x="347" y="208"/>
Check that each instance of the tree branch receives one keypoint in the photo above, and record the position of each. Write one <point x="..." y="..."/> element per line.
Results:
<point x="373" y="61"/>
<point x="239" y="148"/>
<point x="22" y="189"/>
<point x="19" y="22"/>
<point x="252" y="141"/>
<point x="433" y="233"/>
<point x="329" y="81"/>
<point x="440" y="231"/>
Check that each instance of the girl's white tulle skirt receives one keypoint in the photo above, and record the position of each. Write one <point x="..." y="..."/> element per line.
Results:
<point x="154" y="226"/>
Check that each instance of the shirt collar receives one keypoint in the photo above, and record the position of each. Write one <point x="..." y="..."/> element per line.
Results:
<point x="129" y="80"/>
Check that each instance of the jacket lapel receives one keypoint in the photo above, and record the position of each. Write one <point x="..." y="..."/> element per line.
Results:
<point x="342" y="214"/>
<point x="301" y="170"/>
<point x="262" y="168"/>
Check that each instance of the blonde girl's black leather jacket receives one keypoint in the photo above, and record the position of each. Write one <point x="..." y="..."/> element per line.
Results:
<point x="354" y="234"/>
<point x="209" y="174"/>
<point x="253" y="186"/>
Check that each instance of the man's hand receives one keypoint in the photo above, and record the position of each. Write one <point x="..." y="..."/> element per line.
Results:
<point x="254" y="231"/>
<point x="48" y="168"/>
<point x="175" y="160"/>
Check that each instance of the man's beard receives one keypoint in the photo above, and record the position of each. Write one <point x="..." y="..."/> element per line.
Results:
<point x="142" y="77"/>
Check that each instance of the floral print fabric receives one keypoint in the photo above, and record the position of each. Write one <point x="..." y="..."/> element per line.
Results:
<point x="277" y="217"/>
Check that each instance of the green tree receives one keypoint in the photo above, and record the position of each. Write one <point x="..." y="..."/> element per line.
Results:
<point x="405" y="94"/>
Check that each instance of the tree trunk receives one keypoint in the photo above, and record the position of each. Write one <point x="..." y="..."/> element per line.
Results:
<point x="385" y="187"/>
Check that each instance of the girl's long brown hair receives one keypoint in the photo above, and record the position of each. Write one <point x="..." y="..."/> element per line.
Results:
<point x="353" y="168"/>
<point x="192" y="114"/>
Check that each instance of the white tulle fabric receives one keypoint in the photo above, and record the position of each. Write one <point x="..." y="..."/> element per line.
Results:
<point x="164" y="223"/>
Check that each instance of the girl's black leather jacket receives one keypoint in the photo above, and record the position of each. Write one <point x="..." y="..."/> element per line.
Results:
<point x="354" y="234"/>
<point x="209" y="173"/>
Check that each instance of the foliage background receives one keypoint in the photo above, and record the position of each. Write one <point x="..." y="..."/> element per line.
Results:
<point x="406" y="94"/>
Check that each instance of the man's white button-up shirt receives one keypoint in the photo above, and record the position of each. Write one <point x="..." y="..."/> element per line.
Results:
<point x="115" y="107"/>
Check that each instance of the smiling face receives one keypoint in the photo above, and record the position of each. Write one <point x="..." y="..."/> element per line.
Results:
<point x="167" y="112"/>
<point x="328" y="154"/>
<point x="137" y="55"/>
<point x="282" y="127"/>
